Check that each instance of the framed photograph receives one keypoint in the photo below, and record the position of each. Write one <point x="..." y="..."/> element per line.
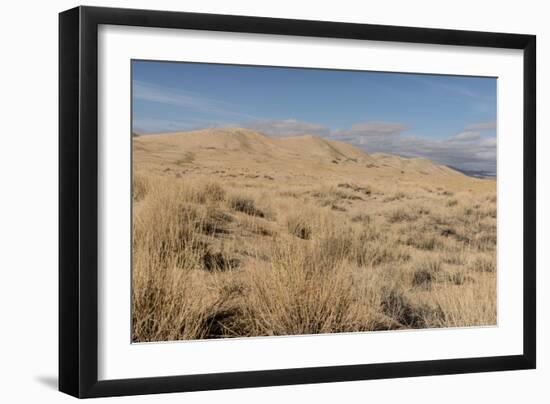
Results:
<point x="251" y="201"/>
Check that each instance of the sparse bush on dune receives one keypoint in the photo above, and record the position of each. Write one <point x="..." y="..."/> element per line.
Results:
<point x="215" y="221"/>
<point x="459" y="278"/>
<point x="424" y="241"/>
<point x="140" y="186"/>
<point x="212" y="191"/>
<point x="401" y="215"/>
<point x="426" y="273"/>
<point x="363" y="189"/>
<point x="484" y="264"/>
<point x="451" y="202"/>
<point x="395" y="197"/>
<point x="361" y="217"/>
<point x="331" y="196"/>
<point x="219" y="261"/>
<point x="454" y="257"/>
<point x="407" y="313"/>
<point x="299" y="226"/>
<point x="379" y="252"/>
<point x="245" y="205"/>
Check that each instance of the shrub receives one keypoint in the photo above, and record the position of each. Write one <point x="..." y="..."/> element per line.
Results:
<point x="218" y="261"/>
<point x="215" y="221"/>
<point x="423" y="241"/>
<point x="401" y="215"/>
<point x="298" y="226"/>
<point x="484" y="264"/>
<point x="451" y="202"/>
<point x="213" y="192"/>
<point x="459" y="278"/>
<point x="453" y="257"/>
<point x="366" y="190"/>
<point x="378" y="252"/>
<point x="361" y="217"/>
<point x="245" y="205"/>
<point x="426" y="273"/>
<point x="140" y="186"/>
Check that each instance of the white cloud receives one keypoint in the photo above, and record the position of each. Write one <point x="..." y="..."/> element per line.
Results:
<point x="467" y="136"/>
<point x="465" y="150"/>
<point x="373" y="129"/>
<point x="288" y="127"/>
<point x="482" y="126"/>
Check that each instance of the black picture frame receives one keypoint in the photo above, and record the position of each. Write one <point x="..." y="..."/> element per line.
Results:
<point x="78" y="201"/>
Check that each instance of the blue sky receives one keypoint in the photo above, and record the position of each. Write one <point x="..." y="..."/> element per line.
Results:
<point x="450" y="119"/>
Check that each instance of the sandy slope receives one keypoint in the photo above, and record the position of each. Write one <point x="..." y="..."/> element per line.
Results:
<point x="235" y="152"/>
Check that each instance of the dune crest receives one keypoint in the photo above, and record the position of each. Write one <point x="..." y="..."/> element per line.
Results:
<point x="244" y="149"/>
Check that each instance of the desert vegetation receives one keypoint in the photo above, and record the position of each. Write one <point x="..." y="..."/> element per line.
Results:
<point x="245" y="238"/>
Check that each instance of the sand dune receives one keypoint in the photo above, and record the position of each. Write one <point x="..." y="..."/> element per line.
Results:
<point x="236" y="151"/>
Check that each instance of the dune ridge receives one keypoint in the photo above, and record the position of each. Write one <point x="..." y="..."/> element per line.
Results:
<point x="236" y="148"/>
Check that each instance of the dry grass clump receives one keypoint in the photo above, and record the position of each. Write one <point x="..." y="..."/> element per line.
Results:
<point x="155" y="294"/>
<point x="402" y="215"/>
<point x="454" y="257"/>
<point x="459" y="278"/>
<point x="374" y="253"/>
<point x="395" y="197"/>
<point x="363" y="189"/>
<point x="215" y="221"/>
<point x="251" y="257"/>
<point x="212" y="191"/>
<point x="333" y="196"/>
<point x="451" y="202"/>
<point x="361" y="217"/>
<point x="140" y="185"/>
<point x="484" y="264"/>
<point x="424" y="241"/>
<point x="245" y="205"/>
<point x="467" y="304"/>
<point x="426" y="273"/>
<point x="299" y="226"/>
<point x="295" y="296"/>
<point x="400" y="307"/>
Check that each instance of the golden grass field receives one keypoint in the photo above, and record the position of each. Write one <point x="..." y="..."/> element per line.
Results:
<point x="237" y="234"/>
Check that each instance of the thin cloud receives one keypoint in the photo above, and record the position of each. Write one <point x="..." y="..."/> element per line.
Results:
<point x="373" y="129"/>
<point x="152" y="125"/>
<point x="288" y="127"/>
<point x="467" y="136"/>
<point x="482" y="126"/>
<point x="478" y="102"/>
<point x="454" y="89"/>
<point x="144" y="91"/>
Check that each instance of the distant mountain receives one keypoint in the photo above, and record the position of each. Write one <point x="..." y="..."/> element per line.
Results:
<point x="475" y="173"/>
